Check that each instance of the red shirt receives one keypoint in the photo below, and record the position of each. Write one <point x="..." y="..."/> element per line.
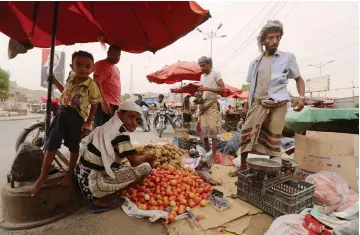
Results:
<point x="108" y="76"/>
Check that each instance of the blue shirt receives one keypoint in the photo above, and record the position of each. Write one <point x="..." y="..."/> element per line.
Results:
<point x="284" y="67"/>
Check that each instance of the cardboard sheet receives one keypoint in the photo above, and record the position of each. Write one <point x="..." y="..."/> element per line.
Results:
<point x="327" y="151"/>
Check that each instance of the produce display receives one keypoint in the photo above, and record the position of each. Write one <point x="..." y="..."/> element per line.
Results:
<point x="168" y="156"/>
<point x="174" y="191"/>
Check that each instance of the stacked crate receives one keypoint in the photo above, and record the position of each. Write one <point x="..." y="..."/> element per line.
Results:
<point x="277" y="197"/>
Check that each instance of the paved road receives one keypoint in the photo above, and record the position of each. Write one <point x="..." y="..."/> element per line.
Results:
<point x="82" y="220"/>
<point x="8" y="135"/>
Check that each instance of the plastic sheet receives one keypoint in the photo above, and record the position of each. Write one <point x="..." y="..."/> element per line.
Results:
<point x="332" y="190"/>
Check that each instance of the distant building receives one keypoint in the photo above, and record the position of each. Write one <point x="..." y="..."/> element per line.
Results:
<point x="348" y="102"/>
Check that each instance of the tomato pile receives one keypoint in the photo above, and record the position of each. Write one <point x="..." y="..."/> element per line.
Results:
<point x="175" y="191"/>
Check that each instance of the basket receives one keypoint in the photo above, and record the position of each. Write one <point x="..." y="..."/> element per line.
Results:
<point x="182" y="133"/>
<point x="290" y="197"/>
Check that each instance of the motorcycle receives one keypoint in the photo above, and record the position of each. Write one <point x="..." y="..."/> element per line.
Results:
<point x="146" y="114"/>
<point x="37" y="128"/>
<point x="164" y="118"/>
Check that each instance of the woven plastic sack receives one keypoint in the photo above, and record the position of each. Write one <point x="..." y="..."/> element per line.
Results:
<point x="332" y="190"/>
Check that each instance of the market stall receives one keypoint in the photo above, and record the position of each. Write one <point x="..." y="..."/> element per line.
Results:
<point x="46" y="24"/>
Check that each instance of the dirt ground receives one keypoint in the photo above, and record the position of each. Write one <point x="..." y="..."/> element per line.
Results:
<point x="116" y="221"/>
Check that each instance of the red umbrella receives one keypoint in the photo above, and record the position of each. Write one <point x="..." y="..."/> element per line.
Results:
<point x="191" y="88"/>
<point x="134" y="26"/>
<point x="170" y="74"/>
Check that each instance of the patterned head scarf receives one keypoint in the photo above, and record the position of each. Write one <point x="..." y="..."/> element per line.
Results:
<point x="205" y="59"/>
<point x="269" y="24"/>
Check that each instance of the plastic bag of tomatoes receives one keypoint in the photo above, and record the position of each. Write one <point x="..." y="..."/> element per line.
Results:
<point x="170" y="190"/>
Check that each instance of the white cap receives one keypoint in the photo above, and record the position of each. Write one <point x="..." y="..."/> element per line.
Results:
<point x="130" y="106"/>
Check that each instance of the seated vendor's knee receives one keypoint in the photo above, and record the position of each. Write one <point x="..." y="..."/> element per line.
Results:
<point x="145" y="169"/>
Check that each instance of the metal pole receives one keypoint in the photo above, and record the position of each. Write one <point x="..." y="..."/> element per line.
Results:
<point x="52" y="52"/>
<point x="211" y="43"/>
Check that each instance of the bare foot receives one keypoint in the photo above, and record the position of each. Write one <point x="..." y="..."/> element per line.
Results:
<point x="65" y="181"/>
<point x="106" y="201"/>
<point x="233" y="173"/>
<point x="35" y="188"/>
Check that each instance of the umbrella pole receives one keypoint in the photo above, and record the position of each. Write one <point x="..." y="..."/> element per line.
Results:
<point x="52" y="52"/>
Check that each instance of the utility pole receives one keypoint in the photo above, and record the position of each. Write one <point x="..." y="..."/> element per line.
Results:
<point x="320" y="66"/>
<point x="211" y="36"/>
<point x="131" y="80"/>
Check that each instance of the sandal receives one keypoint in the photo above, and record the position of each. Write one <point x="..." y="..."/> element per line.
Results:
<point x="111" y="205"/>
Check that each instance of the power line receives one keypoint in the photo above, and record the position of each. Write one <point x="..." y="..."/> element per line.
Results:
<point x="238" y="52"/>
<point x="331" y="52"/>
<point x="290" y="10"/>
<point x="254" y="31"/>
<point x="248" y="24"/>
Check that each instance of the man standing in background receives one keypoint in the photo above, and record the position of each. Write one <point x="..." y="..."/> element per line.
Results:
<point x="210" y="119"/>
<point x="107" y="77"/>
<point x="268" y="97"/>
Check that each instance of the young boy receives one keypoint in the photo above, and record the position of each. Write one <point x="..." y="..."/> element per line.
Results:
<point x="79" y="92"/>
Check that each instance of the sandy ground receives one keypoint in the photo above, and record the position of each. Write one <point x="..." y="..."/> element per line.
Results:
<point x="83" y="221"/>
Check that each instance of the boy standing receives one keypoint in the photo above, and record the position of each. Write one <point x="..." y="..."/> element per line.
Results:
<point x="79" y="92"/>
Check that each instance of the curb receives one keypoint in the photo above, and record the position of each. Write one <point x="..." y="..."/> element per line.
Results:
<point x="17" y="118"/>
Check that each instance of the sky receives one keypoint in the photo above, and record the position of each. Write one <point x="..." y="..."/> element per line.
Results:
<point x="316" y="32"/>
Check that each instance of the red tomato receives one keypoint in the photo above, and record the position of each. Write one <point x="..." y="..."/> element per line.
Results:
<point x="161" y="208"/>
<point x="192" y="204"/>
<point x="207" y="189"/>
<point x="141" y="200"/>
<point x="147" y="191"/>
<point x="197" y="200"/>
<point x="166" y="204"/>
<point x="169" y="193"/>
<point x="158" y="197"/>
<point x="157" y="180"/>
<point x="162" y="193"/>
<point x="153" y="203"/>
<point x="130" y="190"/>
<point x="141" y="194"/>
<point x="160" y="202"/>
<point x="152" y="190"/>
<point x="151" y="185"/>
<point x="137" y="204"/>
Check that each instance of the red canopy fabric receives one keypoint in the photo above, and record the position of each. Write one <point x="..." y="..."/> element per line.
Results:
<point x="191" y="88"/>
<point x="170" y="74"/>
<point x="134" y="26"/>
<point x="244" y="95"/>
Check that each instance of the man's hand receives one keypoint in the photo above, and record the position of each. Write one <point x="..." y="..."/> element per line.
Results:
<point x="202" y="88"/>
<point x="244" y="111"/>
<point x="87" y="126"/>
<point x="149" y="158"/>
<point x="300" y="103"/>
<point x="105" y="107"/>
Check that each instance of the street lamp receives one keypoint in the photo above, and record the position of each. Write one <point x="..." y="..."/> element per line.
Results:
<point x="211" y="36"/>
<point x="321" y="65"/>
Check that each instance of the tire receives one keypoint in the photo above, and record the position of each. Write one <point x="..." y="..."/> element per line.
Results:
<point x="148" y="123"/>
<point x="177" y="123"/>
<point x="161" y="128"/>
<point x="24" y="134"/>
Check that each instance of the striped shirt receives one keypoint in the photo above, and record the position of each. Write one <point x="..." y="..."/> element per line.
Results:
<point x="122" y="146"/>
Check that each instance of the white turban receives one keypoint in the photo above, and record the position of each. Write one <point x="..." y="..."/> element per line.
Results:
<point x="130" y="106"/>
<point x="269" y="24"/>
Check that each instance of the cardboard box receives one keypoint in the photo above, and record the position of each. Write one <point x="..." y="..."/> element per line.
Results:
<point x="328" y="151"/>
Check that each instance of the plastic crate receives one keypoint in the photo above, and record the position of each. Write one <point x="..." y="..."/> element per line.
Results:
<point x="289" y="197"/>
<point x="243" y="176"/>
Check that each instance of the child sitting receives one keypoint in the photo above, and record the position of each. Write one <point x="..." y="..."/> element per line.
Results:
<point x="79" y="92"/>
